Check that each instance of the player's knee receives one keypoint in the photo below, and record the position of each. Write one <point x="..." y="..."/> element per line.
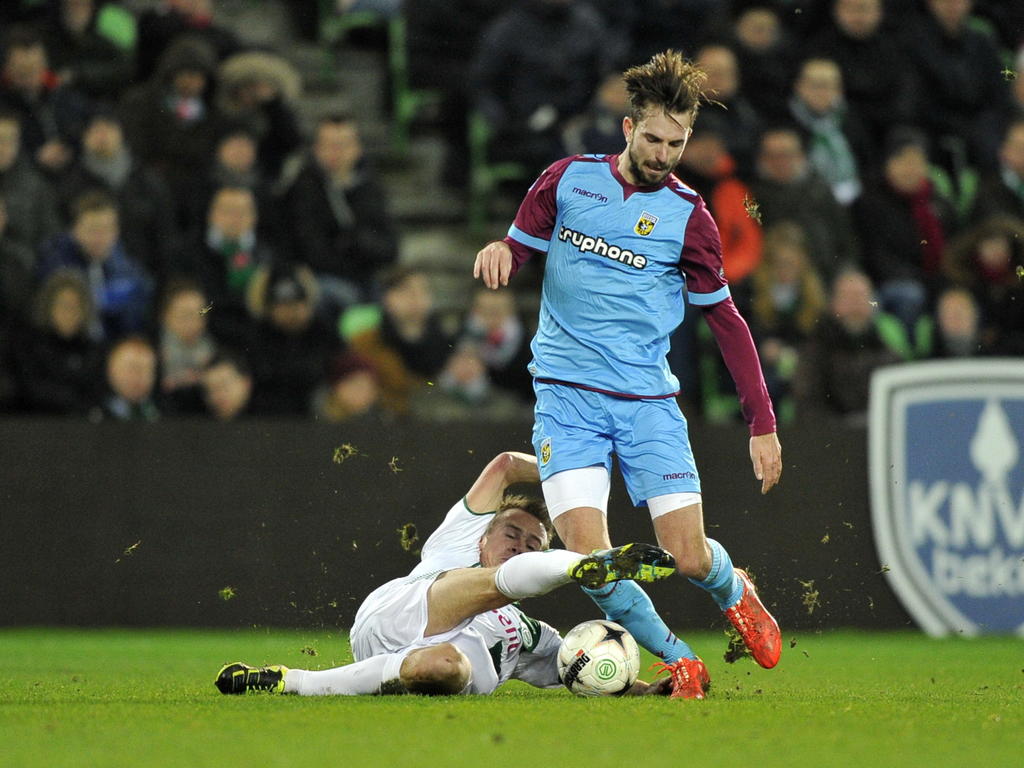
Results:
<point x="693" y="562"/>
<point x="440" y="670"/>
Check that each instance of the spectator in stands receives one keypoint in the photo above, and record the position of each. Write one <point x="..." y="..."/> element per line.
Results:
<point x="959" y="87"/>
<point x="1006" y="20"/>
<point x="464" y="376"/>
<point x="851" y="342"/>
<point x="957" y="325"/>
<point x="500" y="340"/>
<point x="234" y="158"/>
<point x="31" y="201"/>
<point x="131" y="381"/>
<point x="408" y="345"/>
<point x="260" y="89"/>
<point x="234" y="164"/>
<point x="59" y="366"/>
<point x="788" y="189"/>
<point x="435" y="63"/>
<point x="16" y="263"/>
<point x="658" y="25"/>
<point x="465" y="391"/>
<point x="1015" y="107"/>
<point x="81" y="56"/>
<point x="170" y="20"/>
<point x="709" y="167"/>
<point x="12" y="13"/>
<point x="352" y="390"/>
<point x="341" y="226"/>
<point x="876" y="82"/>
<point x="227" y="386"/>
<point x="786" y="302"/>
<point x="599" y="129"/>
<point x="988" y="259"/>
<point x="903" y="224"/>
<point x="736" y="116"/>
<point x="148" y="232"/>
<point x="292" y="347"/>
<point x="51" y="114"/>
<point x="224" y="256"/>
<point x="1002" y="191"/>
<point x="185" y="347"/>
<point x="839" y="143"/>
<point x="120" y="287"/>
<point x="535" y="68"/>
<point x="170" y="122"/>
<point x="765" y="54"/>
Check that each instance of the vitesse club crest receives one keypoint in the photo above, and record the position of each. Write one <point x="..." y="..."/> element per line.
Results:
<point x="645" y="224"/>
<point x="545" y="451"/>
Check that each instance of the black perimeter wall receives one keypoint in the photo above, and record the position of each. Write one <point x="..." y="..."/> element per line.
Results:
<point x="145" y="525"/>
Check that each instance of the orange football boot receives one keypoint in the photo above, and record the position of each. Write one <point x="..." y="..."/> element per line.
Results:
<point x="690" y="679"/>
<point x="757" y="627"/>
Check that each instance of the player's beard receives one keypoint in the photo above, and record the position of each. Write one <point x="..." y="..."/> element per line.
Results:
<point x="646" y="177"/>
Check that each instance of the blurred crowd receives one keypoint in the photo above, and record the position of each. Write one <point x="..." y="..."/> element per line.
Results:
<point x="175" y="241"/>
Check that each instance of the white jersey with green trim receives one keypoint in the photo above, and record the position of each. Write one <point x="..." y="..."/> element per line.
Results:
<point x="509" y="644"/>
<point x="456" y="542"/>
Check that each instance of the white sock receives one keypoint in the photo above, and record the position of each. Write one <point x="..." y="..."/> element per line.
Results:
<point x="535" y="573"/>
<point x="377" y="674"/>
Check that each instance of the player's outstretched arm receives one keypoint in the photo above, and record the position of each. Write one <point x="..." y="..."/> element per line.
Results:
<point x="766" y="455"/>
<point x="493" y="264"/>
<point x="503" y="470"/>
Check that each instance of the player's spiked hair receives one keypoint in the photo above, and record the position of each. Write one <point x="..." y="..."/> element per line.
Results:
<point x="668" y="81"/>
<point x="531" y="506"/>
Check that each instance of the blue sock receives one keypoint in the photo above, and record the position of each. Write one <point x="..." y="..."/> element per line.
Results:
<point x="721" y="582"/>
<point x="625" y="603"/>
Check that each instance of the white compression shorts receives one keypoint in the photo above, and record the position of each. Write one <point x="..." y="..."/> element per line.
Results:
<point x="572" y="488"/>
<point x="590" y="486"/>
<point x="662" y="505"/>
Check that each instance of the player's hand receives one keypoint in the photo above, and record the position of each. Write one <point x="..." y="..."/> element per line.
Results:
<point x="494" y="264"/>
<point x="766" y="455"/>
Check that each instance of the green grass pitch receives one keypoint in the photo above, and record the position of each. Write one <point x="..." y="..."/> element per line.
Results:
<point x="146" y="698"/>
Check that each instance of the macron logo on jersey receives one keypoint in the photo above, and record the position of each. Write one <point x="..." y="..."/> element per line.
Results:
<point x="587" y="193"/>
<point x="588" y="244"/>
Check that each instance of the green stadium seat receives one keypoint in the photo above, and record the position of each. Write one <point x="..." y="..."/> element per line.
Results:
<point x="118" y="26"/>
<point x="407" y="103"/>
<point x="485" y="176"/>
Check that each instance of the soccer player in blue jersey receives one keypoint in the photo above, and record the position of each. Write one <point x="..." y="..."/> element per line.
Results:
<point x="623" y="239"/>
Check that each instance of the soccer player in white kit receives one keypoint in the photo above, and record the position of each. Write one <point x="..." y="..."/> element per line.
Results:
<point x="450" y="626"/>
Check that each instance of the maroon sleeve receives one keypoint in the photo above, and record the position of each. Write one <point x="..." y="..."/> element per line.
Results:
<point x="535" y="219"/>
<point x="740" y="354"/>
<point x="707" y="288"/>
<point x="701" y="259"/>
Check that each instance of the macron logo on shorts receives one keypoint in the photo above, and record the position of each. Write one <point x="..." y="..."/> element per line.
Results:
<point x="679" y="476"/>
<point x="588" y="244"/>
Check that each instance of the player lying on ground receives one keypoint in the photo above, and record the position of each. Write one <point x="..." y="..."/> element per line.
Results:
<point x="449" y="626"/>
<point x="623" y="238"/>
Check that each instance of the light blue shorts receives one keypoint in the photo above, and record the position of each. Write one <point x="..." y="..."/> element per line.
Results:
<point x="576" y="428"/>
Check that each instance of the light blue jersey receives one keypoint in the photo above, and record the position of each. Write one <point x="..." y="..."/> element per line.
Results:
<point x="618" y="259"/>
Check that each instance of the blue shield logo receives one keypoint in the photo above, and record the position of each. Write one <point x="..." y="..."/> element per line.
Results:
<point x="946" y="451"/>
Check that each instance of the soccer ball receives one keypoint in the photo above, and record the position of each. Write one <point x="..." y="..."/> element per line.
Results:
<point x="598" y="658"/>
